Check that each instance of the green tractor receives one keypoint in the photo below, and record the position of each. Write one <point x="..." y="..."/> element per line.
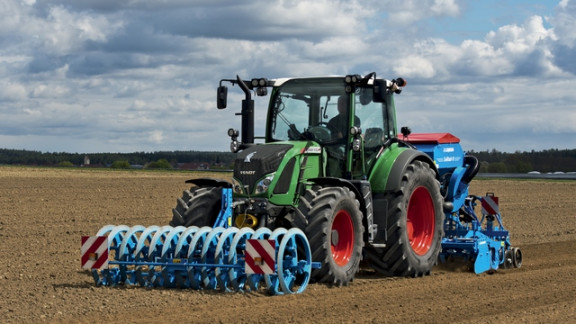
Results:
<point x="332" y="164"/>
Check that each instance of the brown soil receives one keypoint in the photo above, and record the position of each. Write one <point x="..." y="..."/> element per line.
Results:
<point x="44" y="212"/>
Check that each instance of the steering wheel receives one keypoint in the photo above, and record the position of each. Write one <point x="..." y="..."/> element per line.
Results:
<point x="321" y="132"/>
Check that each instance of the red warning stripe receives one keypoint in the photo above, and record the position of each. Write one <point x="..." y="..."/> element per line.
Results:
<point x="264" y="253"/>
<point x="490" y="205"/>
<point x="94" y="246"/>
<point x="263" y="250"/>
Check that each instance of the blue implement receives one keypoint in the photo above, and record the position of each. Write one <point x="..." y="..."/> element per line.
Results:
<point x="203" y="258"/>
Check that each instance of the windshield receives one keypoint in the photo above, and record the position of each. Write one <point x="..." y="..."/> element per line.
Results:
<point x="318" y="109"/>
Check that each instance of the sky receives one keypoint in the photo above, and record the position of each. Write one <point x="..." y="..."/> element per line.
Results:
<point x="87" y="76"/>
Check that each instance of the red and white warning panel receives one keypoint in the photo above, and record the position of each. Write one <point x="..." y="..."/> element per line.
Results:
<point x="260" y="256"/>
<point x="94" y="252"/>
<point x="490" y="205"/>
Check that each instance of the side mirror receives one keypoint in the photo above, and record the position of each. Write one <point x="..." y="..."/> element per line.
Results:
<point x="406" y="131"/>
<point x="365" y="96"/>
<point x="379" y="91"/>
<point x="222" y="97"/>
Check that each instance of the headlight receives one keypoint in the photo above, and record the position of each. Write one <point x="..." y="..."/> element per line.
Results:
<point x="237" y="187"/>
<point x="263" y="185"/>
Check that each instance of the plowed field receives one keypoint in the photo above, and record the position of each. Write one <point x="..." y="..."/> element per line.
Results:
<point x="44" y="212"/>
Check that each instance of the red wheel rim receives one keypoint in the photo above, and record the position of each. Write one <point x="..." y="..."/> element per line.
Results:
<point x="342" y="238"/>
<point x="420" y="221"/>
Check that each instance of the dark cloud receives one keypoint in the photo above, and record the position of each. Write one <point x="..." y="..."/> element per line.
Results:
<point x="45" y="63"/>
<point x="533" y="64"/>
<point x="132" y="5"/>
<point x="565" y="58"/>
<point x="96" y="63"/>
<point x="242" y="22"/>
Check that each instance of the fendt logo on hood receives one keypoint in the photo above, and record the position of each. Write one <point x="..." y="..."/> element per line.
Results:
<point x="249" y="157"/>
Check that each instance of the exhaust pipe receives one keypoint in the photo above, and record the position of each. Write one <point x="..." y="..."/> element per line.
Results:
<point x="247" y="115"/>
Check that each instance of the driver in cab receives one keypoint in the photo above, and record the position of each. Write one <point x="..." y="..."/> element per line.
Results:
<point x="339" y="129"/>
<point x="338" y="125"/>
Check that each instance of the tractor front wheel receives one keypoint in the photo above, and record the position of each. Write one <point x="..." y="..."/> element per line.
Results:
<point x="198" y="206"/>
<point x="414" y="225"/>
<point x="334" y="229"/>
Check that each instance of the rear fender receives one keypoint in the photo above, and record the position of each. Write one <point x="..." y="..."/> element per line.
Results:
<point x="401" y="163"/>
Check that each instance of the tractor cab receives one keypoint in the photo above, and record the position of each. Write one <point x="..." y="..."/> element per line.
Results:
<point x="349" y="117"/>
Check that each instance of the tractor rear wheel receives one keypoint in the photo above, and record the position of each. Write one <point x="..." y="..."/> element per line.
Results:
<point x="198" y="206"/>
<point x="415" y="225"/>
<point x="334" y="229"/>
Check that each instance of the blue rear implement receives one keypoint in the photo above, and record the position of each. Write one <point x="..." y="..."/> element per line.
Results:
<point x="483" y="241"/>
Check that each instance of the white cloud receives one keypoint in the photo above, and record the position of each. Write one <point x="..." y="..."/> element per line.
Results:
<point x="564" y="22"/>
<point x="53" y="91"/>
<point x="57" y="33"/>
<point x="12" y="91"/>
<point x="515" y="39"/>
<point x="141" y="75"/>
<point x="415" y="66"/>
<point x="326" y="17"/>
<point x="525" y="49"/>
<point x="156" y="137"/>
<point x="407" y="12"/>
<point x="445" y="8"/>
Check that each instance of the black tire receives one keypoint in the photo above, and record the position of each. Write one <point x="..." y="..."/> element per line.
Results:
<point x="516" y="257"/>
<point x="415" y="225"/>
<point x="198" y="206"/>
<point x="335" y="232"/>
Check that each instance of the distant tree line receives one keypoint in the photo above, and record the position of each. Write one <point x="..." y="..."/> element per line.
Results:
<point x="552" y="160"/>
<point x="166" y="159"/>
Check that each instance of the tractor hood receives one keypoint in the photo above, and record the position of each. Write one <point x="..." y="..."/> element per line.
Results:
<point x="274" y="169"/>
<point x="258" y="160"/>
